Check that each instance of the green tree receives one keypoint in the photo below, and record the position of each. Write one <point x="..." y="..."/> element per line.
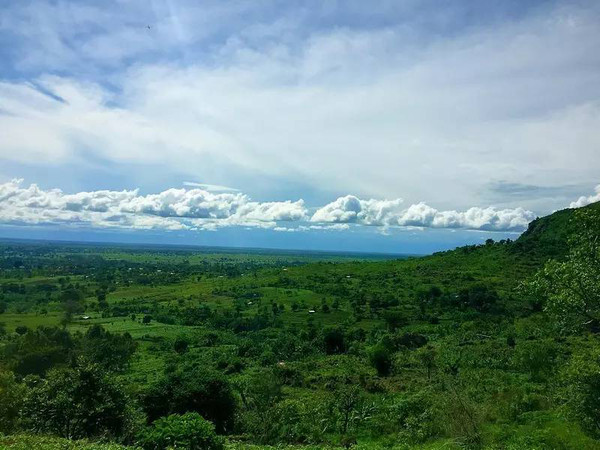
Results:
<point x="427" y="357"/>
<point x="346" y="402"/>
<point x="259" y="393"/>
<point x="580" y="382"/>
<point x="380" y="357"/>
<point x="75" y="403"/>
<point x="333" y="340"/>
<point x="36" y="351"/>
<point x="571" y="288"/>
<point x="394" y="319"/>
<point x="181" y="345"/>
<point x="102" y="303"/>
<point x="479" y="297"/>
<point x="112" y="351"/>
<point x="11" y="399"/>
<point x="192" y="389"/>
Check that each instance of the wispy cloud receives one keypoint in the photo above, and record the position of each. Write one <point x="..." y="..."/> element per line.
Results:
<point x="210" y="187"/>
<point x="399" y="98"/>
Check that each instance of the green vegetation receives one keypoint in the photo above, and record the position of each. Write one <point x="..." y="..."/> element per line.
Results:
<point x="490" y="346"/>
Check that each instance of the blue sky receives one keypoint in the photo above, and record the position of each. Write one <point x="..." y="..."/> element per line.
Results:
<point x="400" y="126"/>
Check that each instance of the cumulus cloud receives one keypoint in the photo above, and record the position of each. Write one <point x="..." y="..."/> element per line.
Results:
<point x="584" y="201"/>
<point x="198" y="209"/>
<point x="350" y="209"/>
<point x="388" y="213"/>
<point x="173" y="209"/>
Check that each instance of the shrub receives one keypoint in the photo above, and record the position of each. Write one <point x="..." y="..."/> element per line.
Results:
<point x="333" y="339"/>
<point x="189" y="431"/>
<point x="381" y="358"/>
<point x="180" y="345"/>
<point x="192" y="390"/>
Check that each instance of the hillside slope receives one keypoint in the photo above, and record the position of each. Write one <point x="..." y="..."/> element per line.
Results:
<point x="547" y="237"/>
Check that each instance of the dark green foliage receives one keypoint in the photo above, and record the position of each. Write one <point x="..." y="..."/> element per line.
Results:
<point x="75" y="403"/>
<point x="538" y="358"/>
<point x="394" y="319"/>
<point x="479" y="297"/>
<point x="181" y="345"/>
<point x="410" y="340"/>
<point x="259" y="394"/>
<point x="192" y="389"/>
<point x="380" y="357"/>
<point x="11" y="399"/>
<point x="111" y="351"/>
<point x="187" y="431"/>
<point x="333" y="340"/>
<point x="570" y="289"/>
<point x="36" y="351"/>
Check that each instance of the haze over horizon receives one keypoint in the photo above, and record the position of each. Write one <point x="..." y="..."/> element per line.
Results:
<point x="396" y="127"/>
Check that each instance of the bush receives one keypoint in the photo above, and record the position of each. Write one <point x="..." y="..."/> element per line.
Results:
<point x="192" y="390"/>
<point x="75" y="403"/>
<point x="181" y="345"/>
<point x="538" y="358"/>
<point x="479" y="297"/>
<point x="410" y="415"/>
<point x="188" y="431"/>
<point x="333" y="340"/>
<point x="381" y="358"/>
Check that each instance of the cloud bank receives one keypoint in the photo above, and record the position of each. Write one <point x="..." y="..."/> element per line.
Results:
<point x="173" y="209"/>
<point x="388" y="213"/>
<point x="199" y="209"/>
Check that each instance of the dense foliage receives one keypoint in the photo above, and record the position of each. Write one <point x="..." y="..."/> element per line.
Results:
<point x="486" y="346"/>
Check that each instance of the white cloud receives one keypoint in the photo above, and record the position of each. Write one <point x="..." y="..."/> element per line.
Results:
<point x="389" y="213"/>
<point x="350" y="209"/>
<point x="210" y="187"/>
<point x="377" y="111"/>
<point x="172" y="209"/>
<point x="584" y="201"/>
<point x="334" y="227"/>
<point x="197" y="209"/>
